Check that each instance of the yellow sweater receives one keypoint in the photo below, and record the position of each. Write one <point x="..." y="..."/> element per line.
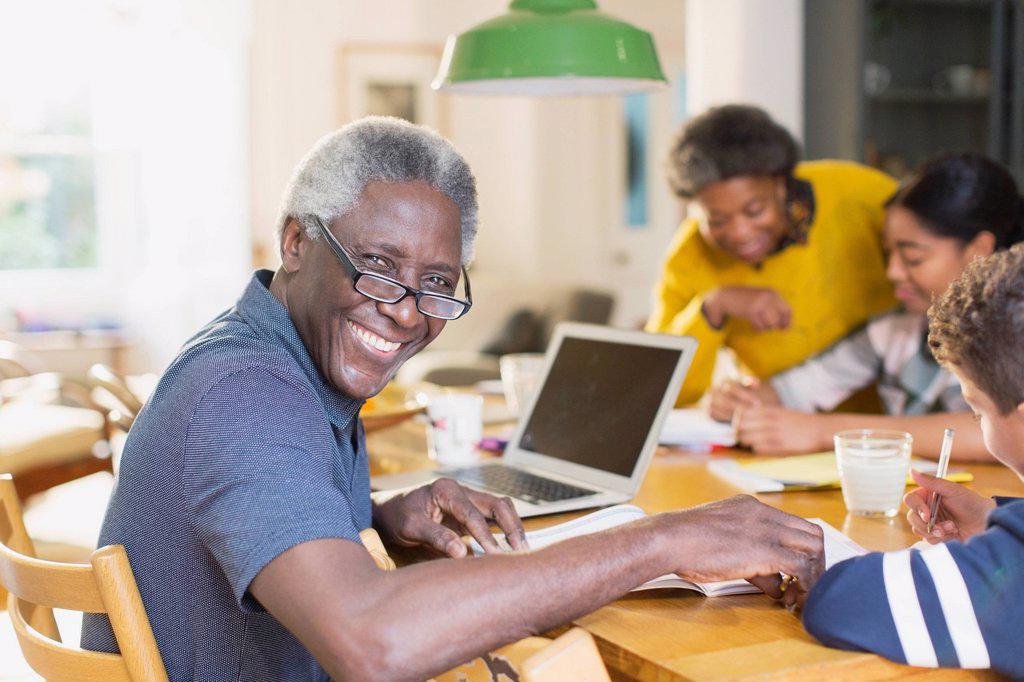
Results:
<point x="834" y="282"/>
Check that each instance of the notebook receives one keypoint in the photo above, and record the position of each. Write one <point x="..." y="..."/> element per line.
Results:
<point x="800" y="472"/>
<point x="694" y="429"/>
<point x="838" y="547"/>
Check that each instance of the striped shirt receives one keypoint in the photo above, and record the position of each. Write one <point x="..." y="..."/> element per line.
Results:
<point x="891" y="350"/>
<point x="242" y="452"/>
<point x="952" y="605"/>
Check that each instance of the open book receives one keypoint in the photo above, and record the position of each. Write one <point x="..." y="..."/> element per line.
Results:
<point x="837" y="548"/>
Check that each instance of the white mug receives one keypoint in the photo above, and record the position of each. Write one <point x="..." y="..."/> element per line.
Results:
<point x="456" y="426"/>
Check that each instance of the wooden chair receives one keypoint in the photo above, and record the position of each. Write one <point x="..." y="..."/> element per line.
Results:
<point x="51" y="429"/>
<point x="113" y="393"/>
<point x="47" y="445"/>
<point x="106" y="586"/>
<point x="15" y="362"/>
<point x="573" y="657"/>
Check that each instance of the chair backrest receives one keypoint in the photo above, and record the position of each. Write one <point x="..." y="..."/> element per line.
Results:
<point x="106" y="585"/>
<point x="125" y="403"/>
<point x="14" y="362"/>
<point x="573" y="656"/>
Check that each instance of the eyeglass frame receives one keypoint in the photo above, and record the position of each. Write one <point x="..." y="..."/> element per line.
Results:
<point x="356" y="274"/>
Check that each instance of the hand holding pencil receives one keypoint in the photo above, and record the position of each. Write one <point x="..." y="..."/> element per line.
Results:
<point x="961" y="513"/>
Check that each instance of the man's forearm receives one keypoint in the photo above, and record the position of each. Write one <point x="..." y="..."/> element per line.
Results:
<point x="363" y="623"/>
<point x="479" y="604"/>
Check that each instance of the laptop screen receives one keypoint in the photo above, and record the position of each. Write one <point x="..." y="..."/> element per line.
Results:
<point x="598" y="403"/>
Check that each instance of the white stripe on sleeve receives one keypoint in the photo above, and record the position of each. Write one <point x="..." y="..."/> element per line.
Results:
<point x="906" y="610"/>
<point x="956" y="607"/>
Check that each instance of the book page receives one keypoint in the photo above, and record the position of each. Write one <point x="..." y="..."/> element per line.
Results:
<point x="838" y="547"/>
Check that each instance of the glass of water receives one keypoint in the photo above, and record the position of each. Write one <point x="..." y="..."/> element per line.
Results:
<point x="520" y="377"/>
<point x="873" y="467"/>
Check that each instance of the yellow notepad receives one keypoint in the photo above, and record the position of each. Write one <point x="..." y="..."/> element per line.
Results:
<point x="817" y="471"/>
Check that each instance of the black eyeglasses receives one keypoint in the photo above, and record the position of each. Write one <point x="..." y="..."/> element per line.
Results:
<point x="387" y="290"/>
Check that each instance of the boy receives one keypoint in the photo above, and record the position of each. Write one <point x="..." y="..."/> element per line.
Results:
<point x="957" y="603"/>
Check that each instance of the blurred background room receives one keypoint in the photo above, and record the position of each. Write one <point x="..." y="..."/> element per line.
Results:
<point x="145" y="146"/>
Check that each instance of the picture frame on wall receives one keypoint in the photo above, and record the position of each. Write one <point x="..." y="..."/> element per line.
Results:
<point x="388" y="79"/>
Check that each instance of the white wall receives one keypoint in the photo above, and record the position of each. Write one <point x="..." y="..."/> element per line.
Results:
<point x="746" y="51"/>
<point x="549" y="172"/>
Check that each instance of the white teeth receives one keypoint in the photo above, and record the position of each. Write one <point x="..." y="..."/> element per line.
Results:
<point x="373" y="340"/>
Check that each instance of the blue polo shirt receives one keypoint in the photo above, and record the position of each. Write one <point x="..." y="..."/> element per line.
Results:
<point x="242" y="452"/>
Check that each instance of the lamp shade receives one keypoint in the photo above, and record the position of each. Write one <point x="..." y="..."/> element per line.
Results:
<point x="550" y="47"/>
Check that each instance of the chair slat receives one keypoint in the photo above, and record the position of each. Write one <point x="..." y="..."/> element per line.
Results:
<point x="106" y="586"/>
<point x="573" y="656"/>
<point x="51" y="584"/>
<point x="14" y="536"/>
<point x="57" y="662"/>
<point x="128" y="618"/>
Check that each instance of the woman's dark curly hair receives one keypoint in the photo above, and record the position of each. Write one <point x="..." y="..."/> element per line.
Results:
<point x="727" y="141"/>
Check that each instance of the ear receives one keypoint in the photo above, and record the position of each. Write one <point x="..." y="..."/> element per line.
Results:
<point x="983" y="245"/>
<point x="293" y="245"/>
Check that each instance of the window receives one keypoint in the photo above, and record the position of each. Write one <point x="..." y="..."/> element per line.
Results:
<point x="47" y="162"/>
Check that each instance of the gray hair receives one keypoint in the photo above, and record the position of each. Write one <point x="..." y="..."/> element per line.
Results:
<point x="331" y="177"/>
<point x="728" y="141"/>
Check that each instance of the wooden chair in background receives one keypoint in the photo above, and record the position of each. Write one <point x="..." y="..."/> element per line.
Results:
<point x="107" y="586"/>
<point x="51" y="430"/>
<point x="573" y="657"/>
<point x="112" y="392"/>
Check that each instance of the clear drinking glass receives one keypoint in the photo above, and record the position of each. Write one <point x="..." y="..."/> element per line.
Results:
<point x="520" y="377"/>
<point x="873" y="467"/>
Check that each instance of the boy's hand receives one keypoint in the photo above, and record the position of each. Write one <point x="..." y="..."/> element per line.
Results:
<point x="962" y="513"/>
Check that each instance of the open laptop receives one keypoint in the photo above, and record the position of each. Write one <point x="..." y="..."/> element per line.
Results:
<point x="588" y="434"/>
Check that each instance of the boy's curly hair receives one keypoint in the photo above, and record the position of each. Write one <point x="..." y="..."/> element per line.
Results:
<point x="978" y="326"/>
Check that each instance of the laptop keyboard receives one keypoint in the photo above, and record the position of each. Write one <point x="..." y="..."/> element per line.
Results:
<point x="505" y="480"/>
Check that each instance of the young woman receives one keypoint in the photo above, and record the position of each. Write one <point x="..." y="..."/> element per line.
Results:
<point x="783" y="258"/>
<point x="956" y="208"/>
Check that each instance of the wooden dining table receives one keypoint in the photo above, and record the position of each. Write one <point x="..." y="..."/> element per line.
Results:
<point x="668" y="635"/>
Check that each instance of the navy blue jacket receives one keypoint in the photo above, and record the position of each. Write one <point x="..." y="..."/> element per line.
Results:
<point x="952" y="605"/>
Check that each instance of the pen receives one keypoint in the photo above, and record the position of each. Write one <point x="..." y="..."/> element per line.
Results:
<point x="947" y="447"/>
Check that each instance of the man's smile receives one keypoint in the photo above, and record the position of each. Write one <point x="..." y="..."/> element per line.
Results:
<point x="377" y="344"/>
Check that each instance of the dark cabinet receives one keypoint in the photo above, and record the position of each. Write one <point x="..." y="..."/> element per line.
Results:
<point x="890" y="82"/>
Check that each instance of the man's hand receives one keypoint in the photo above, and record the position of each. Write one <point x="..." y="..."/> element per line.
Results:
<point x="733" y="394"/>
<point x="743" y="538"/>
<point x="438" y="514"/>
<point x="962" y="513"/>
<point x="774" y="429"/>
<point x="762" y="307"/>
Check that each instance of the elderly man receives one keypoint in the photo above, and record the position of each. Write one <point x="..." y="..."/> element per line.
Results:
<point x="244" y="482"/>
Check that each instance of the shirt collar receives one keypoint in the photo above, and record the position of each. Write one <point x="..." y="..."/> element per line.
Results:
<point x="270" y="319"/>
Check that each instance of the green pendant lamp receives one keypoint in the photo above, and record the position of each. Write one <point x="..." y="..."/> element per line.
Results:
<point x="550" y="47"/>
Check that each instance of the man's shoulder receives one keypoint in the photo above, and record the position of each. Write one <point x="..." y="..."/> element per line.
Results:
<point x="226" y="353"/>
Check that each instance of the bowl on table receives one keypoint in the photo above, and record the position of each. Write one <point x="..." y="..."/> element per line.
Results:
<point x="390" y="407"/>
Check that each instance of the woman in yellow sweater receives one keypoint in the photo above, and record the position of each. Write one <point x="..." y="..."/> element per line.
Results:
<point x="782" y="260"/>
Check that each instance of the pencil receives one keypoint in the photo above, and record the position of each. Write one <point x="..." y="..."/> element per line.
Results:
<point x="947" y="447"/>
